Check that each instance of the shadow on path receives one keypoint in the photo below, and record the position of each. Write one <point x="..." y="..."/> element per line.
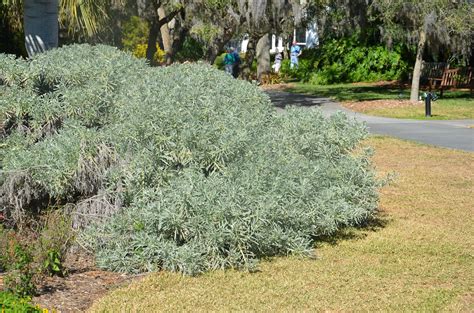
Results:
<point x="281" y="100"/>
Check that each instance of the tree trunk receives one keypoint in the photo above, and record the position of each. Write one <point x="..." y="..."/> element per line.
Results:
<point x="415" y="82"/>
<point x="246" y="72"/>
<point x="286" y="43"/>
<point x="212" y="52"/>
<point x="263" y="56"/>
<point x="152" y="36"/>
<point x="165" y="36"/>
<point x="41" y="25"/>
<point x="179" y="37"/>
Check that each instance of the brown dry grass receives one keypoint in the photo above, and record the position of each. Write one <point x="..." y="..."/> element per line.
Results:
<point x="420" y="257"/>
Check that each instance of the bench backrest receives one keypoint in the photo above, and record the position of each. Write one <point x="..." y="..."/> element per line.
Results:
<point x="449" y="77"/>
<point x="457" y="77"/>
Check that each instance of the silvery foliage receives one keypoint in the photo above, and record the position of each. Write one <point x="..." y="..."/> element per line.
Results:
<point x="180" y="168"/>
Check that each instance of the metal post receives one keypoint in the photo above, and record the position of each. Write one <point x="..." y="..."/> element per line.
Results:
<point x="428" y="104"/>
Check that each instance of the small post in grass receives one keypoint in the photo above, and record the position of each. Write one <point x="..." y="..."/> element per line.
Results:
<point x="428" y="97"/>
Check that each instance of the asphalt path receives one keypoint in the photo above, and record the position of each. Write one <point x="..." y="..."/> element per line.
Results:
<point x="454" y="134"/>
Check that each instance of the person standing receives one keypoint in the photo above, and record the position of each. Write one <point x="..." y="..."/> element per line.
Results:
<point x="277" y="63"/>
<point x="229" y="62"/>
<point x="237" y="61"/>
<point x="295" y="52"/>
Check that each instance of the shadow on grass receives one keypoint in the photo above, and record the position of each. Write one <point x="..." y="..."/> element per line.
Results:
<point x="357" y="92"/>
<point x="354" y="233"/>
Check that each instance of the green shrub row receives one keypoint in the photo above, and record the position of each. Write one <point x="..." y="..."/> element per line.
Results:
<point x="347" y="60"/>
<point x="181" y="168"/>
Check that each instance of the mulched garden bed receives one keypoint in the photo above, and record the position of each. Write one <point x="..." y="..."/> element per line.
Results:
<point x="83" y="285"/>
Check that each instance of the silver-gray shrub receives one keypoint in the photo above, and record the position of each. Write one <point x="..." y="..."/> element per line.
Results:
<point x="180" y="168"/>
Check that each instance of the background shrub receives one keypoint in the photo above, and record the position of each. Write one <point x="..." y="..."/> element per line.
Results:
<point x="135" y="32"/>
<point x="182" y="168"/>
<point x="135" y="39"/>
<point x="191" y="50"/>
<point x="348" y="60"/>
<point x="139" y="51"/>
<point x="219" y="61"/>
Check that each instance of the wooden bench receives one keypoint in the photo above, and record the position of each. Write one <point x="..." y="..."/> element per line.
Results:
<point x="453" y="78"/>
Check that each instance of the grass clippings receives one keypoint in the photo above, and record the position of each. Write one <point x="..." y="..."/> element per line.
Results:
<point x="367" y="106"/>
<point x="419" y="256"/>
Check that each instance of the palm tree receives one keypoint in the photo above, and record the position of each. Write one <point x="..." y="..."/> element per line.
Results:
<point x="41" y="19"/>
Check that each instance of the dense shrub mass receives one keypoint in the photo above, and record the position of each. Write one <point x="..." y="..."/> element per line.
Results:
<point x="180" y="168"/>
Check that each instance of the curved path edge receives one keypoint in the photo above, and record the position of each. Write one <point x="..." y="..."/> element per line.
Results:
<point x="454" y="134"/>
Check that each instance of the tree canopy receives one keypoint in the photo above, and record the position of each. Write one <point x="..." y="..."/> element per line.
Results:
<point x="427" y="23"/>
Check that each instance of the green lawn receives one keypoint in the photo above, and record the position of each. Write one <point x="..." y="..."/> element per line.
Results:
<point x="351" y="92"/>
<point x="453" y="105"/>
<point x="418" y="257"/>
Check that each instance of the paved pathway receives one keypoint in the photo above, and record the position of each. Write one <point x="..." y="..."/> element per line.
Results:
<point x="455" y="134"/>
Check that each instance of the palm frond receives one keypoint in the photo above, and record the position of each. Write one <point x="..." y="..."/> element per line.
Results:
<point x="86" y="16"/>
<point x="13" y="13"/>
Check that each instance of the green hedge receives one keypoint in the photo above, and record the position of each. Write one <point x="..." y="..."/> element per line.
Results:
<point x="348" y="60"/>
<point x="180" y="168"/>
